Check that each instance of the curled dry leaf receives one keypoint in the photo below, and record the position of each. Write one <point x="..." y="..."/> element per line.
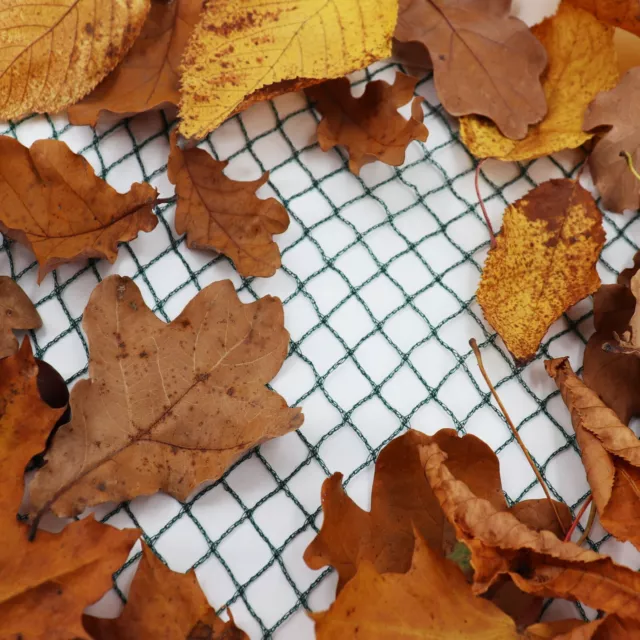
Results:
<point x="44" y="584"/>
<point x="484" y="60"/>
<point x="238" y="50"/>
<point x="148" y="77"/>
<point x="582" y="62"/>
<point x="16" y="313"/>
<point x="162" y="604"/>
<point x="607" y="628"/>
<point x="167" y="406"/>
<point x="370" y="126"/>
<point x="610" y="454"/>
<point x="223" y="214"/>
<point x="544" y="262"/>
<point x="622" y="14"/>
<point x="615" y="115"/>
<point x="538" y="562"/>
<point x="55" y="53"/>
<point x="52" y="202"/>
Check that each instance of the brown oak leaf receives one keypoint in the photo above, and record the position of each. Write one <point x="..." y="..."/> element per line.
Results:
<point x="163" y="604"/>
<point x="44" y="584"/>
<point x="52" y="202"/>
<point x="610" y="453"/>
<point x="485" y="61"/>
<point x="370" y="126"/>
<point x="166" y="406"/>
<point x="537" y="561"/>
<point x="615" y="114"/>
<point x="223" y="214"/>
<point x="148" y="77"/>
<point x="16" y="313"/>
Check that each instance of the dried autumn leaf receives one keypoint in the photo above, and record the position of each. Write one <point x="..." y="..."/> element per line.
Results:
<point x="610" y="453"/>
<point x="370" y="126"/>
<point x="484" y="60"/>
<point x="55" y="53"/>
<point x="431" y="600"/>
<point x="44" y="584"/>
<point x="52" y="202"/>
<point x="618" y="13"/>
<point x="148" y="77"/>
<point x="161" y="604"/>
<point x="538" y="562"/>
<point x="16" y="313"/>
<point x="240" y="49"/>
<point x="223" y="214"/>
<point x="615" y="114"/>
<point x="544" y="262"/>
<point x="167" y="406"/>
<point x="607" y="628"/>
<point x="582" y="62"/>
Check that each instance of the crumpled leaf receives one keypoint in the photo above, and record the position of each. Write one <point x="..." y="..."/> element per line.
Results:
<point x="484" y="60"/>
<point x="607" y="628"/>
<point x="16" y="313"/>
<point x="55" y="53"/>
<point x="370" y="126"/>
<point x="610" y="453"/>
<point x="166" y="406"/>
<point x="223" y="214"/>
<point x="544" y="262"/>
<point x="622" y="14"/>
<point x="148" y="77"/>
<point x="240" y="49"/>
<point x="538" y="562"/>
<point x="52" y="202"/>
<point x="582" y="62"/>
<point x="615" y="115"/>
<point x="162" y="604"/>
<point x="44" y="584"/>
<point x="431" y="600"/>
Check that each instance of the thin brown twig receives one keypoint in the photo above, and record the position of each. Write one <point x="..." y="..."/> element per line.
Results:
<point x="590" y="521"/>
<point x="474" y="345"/>
<point x="574" y="524"/>
<point x="492" y="235"/>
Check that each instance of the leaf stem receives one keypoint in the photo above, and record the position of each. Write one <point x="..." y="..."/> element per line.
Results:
<point x="574" y="524"/>
<point x="590" y="521"/>
<point x="492" y="235"/>
<point x="632" y="168"/>
<point x="474" y="345"/>
<point x="158" y="201"/>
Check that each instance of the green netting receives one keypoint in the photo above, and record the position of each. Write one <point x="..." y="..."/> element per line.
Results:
<point x="397" y="253"/>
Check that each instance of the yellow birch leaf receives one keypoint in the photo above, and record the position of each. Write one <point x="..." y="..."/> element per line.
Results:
<point x="544" y="262"/>
<point x="53" y="53"/>
<point x="239" y="48"/>
<point x="582" y="62"/>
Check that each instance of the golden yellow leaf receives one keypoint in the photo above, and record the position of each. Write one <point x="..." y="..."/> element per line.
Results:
<point x="582" y="62"/>
<point x="543" y="263"/>
<point x="53" y="53"/>
<point x="237" y="49"/>
<point x="624" y="14"/>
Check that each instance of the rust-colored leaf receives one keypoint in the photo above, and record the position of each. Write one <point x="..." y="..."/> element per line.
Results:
<point x="52" y="202"/>
<point x="610" y="453"/>
<point x="54" y="53"/>
<point x="148" y="77"/>
<point x="607" y="628"/>
<point x="485" y="61"/>
<point x="44" y="584"/>
<point x="544" y="262"/>
<point x="167" y="406"/>
<point x="370" y="126"/>
<point x="163" y="604"/>
<point x="622" y="14"/>
<point x="225" y="215"/>
<point x="16" y="313"/>
<point x="615" y="115"/>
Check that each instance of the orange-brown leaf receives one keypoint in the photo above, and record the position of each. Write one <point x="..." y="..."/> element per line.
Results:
<point x="544" y="262"/>
<point x="607" y="628"/>
<point x="225" y="215"/>
<point x="148" y="77"/>
<point x="16" y="313"/>
<point x="52" y="202"/>
<point x="161" y="604"/>
<point x="622" y="14"/>
<point x="44" y="584"/>
<point x="370" y="126"/>
<point x="167" y="406"/>
<point x="610" y="453"/>
<point x="485" y="61"/>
